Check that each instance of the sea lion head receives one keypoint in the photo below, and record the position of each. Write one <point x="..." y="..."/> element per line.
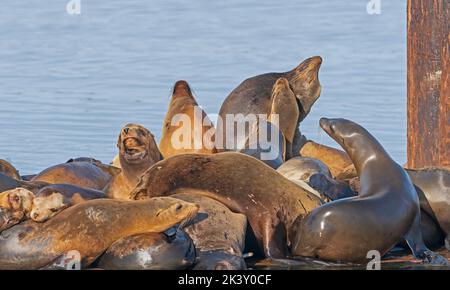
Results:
<point x="348" y="134"/>
<point x="137" y="145"/>
<point x="47" y="206"/>
<point x="177" y="212"/>
<point x="181" y="89"/>
<point x="305" y="83"/>
<point x="18" y="199"/>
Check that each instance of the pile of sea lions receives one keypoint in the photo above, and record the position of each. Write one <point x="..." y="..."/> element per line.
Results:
<point x="213" y="207"/>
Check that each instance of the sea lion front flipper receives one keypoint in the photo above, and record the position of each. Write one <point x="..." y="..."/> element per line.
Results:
<point x="274" y="240"/>
<point x="419" y="249"/>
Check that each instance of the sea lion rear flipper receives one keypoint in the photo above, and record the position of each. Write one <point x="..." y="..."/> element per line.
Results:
<point x="419" y="249"/>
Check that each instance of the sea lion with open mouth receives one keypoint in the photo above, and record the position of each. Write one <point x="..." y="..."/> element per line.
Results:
<point x="254" y="96"/>
<point x="84" y="174"/>
<point x="137" y="152"/>
<point x="272" y="203"/>
<point x="89" y="228"/>
<point x="52" y="199"/>
<point x="385" y="212"/>
<point x="196" y="132"/>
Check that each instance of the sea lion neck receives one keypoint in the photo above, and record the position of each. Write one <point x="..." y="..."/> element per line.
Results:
<point x="132" y="171"/>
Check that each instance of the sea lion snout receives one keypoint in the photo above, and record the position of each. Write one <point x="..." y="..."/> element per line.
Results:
<point x="181" y="88"/>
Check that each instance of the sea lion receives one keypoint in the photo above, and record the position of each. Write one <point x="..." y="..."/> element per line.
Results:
<point x="9" y="170"/>
<point x="150" y="251"/>
<point x="195" y="135"/>
<point x="331" y="188"/>
<point x="89" y="228"/>
<point x="301" y="168"/>
<point x="83" y="174"/>
<point x="273" y="147"/>
<point x="244" y="184"/>
<point x="137" y="152"/>
<point x="270" y="150"/>
<point x="217" y="232"/>
<point x="386" y="210"/>
<point x="7" y="182"/>
<point x="433" y="188"/>
<point x="116" y="161"/>
<point x="52" y="199"/>
<point x="254" y="96"/>
<point x="336" y="160"/>
<point x="15" y="206"/>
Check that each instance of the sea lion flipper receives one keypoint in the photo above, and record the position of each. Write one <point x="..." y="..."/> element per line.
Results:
<point x="415" y="241"/>
<point x="274" y="240"/>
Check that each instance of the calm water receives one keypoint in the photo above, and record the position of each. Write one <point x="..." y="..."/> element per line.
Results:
<point x="68" y="83"/>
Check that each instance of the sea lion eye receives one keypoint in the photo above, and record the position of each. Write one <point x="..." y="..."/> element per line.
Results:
<point x="179" y="206"/>
<point x="54" y="209"/>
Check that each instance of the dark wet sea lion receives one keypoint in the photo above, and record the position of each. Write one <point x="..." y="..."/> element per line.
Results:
<point x="272" y="203"/>
<point x="52" y="199"/>
<point x="7" y="182"/>
<point x="15" y="206"/>
<point x="83" y="174"/>
<point x="301" y="168"/>
<point x="89" y="228"/>
<point x="433" y="187"/>
<point x="217" y="232"/>
<point x="336" y="160"/>
<point x="150" y="251"/>
<point x="9" y="170"/>
<point x="271" y="151"/>
<point x="254" y="96"/>
<point x="386" y="210"/>
<point x="137" y="152"/>
<point x="331" y="188"/>
<point x="193" y="131"/>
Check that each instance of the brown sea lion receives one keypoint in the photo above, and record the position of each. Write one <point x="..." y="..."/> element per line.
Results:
<point x="272" y="203"/>
<point x="52" y="199"/>
<point x="137" y="152"/>
<point x="15" y="206"/>
<point x="274" y="146"/>
<point x="89" y="228"/>
<point x="83" y="174"/>
<point x="217" y="232"/>
<point x="301" y="168"/>
<point x="336" y="160"/>
<point x="254" y="96"/>
<point x="9" y="170"/>
<point x="150" y="251"/>
<point x="196" y="132"/>
<point x="385" y="212"/>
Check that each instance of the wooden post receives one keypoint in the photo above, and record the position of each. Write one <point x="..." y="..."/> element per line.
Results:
<point x="428" y="83"/>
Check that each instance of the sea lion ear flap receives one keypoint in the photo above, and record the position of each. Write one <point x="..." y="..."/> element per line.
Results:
<point x="285" y="106"/>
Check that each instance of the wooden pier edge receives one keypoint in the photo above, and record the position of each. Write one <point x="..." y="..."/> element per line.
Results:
<point x="428" y="83"/>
